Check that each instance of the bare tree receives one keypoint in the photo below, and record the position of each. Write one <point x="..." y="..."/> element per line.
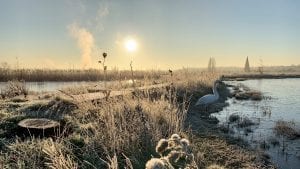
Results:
<point x="261" y="67"/>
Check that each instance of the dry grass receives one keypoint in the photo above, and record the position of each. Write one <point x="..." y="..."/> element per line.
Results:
<point x="120" y="132"/>
<point x="56" y="157"/>
<point x="40" y="75"/>
<point x="214" y="149"/>
<point x="14" y="88"/>
<point x="100" y="130"/>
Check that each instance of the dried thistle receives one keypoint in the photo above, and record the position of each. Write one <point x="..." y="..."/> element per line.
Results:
<point x="175" y="137"/>
<point x="104" y="55"/>
<point x="155" y="163"/>
<point x="215" y="166"/>
<point x="171" y="72"/>
<point x="185" y="144"/>
<point x="174" y="144"/>
<point x="162" y="145"/>
<point x="173" y="156"/>
<point x="174" y="153"/>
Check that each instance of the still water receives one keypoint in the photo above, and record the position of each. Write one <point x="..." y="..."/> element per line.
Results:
<point x="282" y="102"/>
<point x="48" y="86"/>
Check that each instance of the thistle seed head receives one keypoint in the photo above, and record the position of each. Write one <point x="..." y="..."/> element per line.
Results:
<point x="214" y="166"/>
<point x="162" y="145"/>
<point x="155" y="163"/>
<point x="173" y="156"/>
<point x="104" y="55"/>
<point x="185" y="144"/>
<point x="175" y="137"/>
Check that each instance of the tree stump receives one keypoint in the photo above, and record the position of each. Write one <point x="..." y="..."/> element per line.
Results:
<point x="40" y="126"/>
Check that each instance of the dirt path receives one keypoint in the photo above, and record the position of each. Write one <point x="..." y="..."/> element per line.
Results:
<point x="111" y="93"/>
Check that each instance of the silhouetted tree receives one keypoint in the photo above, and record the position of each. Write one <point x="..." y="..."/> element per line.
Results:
<point x="212" y="64"/>
<point x="261" y="67"/>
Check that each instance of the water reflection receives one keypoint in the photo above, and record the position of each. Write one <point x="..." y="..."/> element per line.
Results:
<point x="281" y="103"/>
<point x="49" y="86"/>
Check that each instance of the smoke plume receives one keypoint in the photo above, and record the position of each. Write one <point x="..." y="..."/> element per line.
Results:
<point x="85" y="42"/>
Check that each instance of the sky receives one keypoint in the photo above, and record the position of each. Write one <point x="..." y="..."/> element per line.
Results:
<point x="169" y="33"/>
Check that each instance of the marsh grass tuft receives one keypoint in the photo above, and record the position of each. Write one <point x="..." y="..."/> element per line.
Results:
<point x="287" y="129"/>
<point x="234" y="118"/>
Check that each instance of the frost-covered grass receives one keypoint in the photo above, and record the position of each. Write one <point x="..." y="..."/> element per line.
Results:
<point x="121" y="132"/>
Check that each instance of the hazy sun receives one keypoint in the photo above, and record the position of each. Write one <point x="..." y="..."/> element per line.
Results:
<point x="131" y="45"/>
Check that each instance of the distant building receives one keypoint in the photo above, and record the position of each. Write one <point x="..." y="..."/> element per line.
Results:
<point x="247" y="65"/>
<point x="212" y="64"/>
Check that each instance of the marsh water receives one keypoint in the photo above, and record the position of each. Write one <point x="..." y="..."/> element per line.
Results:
<point x="47" y="86"/>
<point x="281" y="102"/>
<point x="54" y="86"/>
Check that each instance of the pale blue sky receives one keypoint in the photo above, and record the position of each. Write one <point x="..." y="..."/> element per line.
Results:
<point x="170" y="33"/>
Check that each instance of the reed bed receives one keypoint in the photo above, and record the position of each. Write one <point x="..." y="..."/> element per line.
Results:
<point x="40" y="75"/>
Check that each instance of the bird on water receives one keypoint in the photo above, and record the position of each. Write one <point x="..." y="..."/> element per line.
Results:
<point x="209" y="98"/>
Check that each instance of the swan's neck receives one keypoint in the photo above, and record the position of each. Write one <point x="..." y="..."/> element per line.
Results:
<point x="216" y="93"/>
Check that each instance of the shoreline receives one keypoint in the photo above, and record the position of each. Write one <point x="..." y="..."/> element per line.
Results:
<point x="205" y="128"/>
<point x="242" y="77"/>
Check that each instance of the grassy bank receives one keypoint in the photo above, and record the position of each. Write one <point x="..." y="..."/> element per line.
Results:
<point x="121" y="132"/>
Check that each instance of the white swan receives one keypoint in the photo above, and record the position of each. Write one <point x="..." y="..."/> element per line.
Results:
<point x="209" y="98"/>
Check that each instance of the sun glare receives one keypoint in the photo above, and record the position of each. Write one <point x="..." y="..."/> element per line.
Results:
<point x="131" y="45"/>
